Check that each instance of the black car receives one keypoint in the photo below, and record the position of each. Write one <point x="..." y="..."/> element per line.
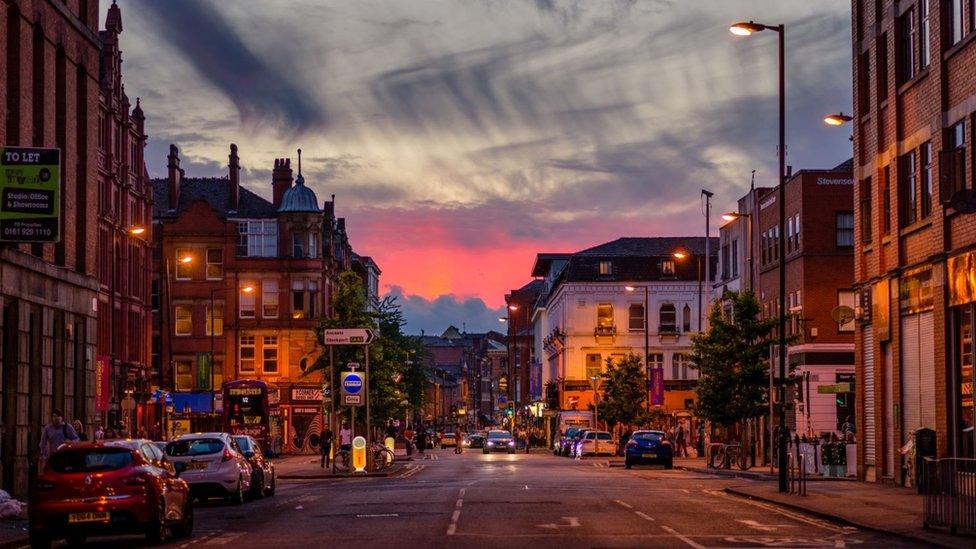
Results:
<point x="499" y="441"/>
<point x="476" y="440"/>
<point x="648" y="447"/>
<point x="263" y="478"/>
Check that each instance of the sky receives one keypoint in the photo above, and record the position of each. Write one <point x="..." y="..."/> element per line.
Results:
<point x="463" y="137"/>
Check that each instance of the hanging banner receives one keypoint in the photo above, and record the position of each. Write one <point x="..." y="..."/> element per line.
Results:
<point x="102" y="378"/>
<point x="204" y="378"/>
<point x="657" y="387"/>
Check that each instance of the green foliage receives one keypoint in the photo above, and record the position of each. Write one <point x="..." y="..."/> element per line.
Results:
<point x="392" y="381"/>
<point x="732" y="361"/>
<point x="624" y="391"/>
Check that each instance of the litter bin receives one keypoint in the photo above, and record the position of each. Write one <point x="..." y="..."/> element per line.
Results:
<point x="925" y="447"/>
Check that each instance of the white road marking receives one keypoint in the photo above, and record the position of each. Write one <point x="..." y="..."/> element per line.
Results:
<point x="644" y="516"/>
<point x="764" y="527"/>
<point x="457" y="513"/>
<point x="379" y="515"/>
<point x="571" y="522"/>
<point x="623" y="504"/>
<point x="685" y="539"/>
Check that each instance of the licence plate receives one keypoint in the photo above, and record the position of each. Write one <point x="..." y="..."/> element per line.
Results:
<point x="196" y="465"/>
<point x="94" y="516"/>
<point x="649" y="455"/>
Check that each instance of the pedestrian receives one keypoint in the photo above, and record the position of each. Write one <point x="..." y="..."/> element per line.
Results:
<point x="682" y="446"/>
<point x="99" y="432"/>
<point x="143" y="433"/>
<point x="79" y="430"/>
<point x="109" y="434"/>
<point x="458" y="437"/>
<point x="326" y="446"/>
<point x="421" y="439"/>
<point x="391" y="430"/>
<point x="525" y="432"/>
<point x="345" y="438"/>
<point x="53" y="435"/>
<point x="408" y="440"/>
<point x="847" y="430"/>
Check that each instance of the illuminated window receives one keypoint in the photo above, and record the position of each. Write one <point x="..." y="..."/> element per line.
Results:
<point x="604" y="315"/>
<point x="594" y="365"/>
<point x="215" y="318"/>
<point x="269" y="298"/>
<point x="668" y="319"/>
<point x="183" y="268"/>
<point x="184" y="320"/>
<point x="247" y="354"/>
<point x="667" y="267"/>
<point x="636" y="317"/>
<point x="246" y="300"/>
<point x="184" y="375"/>
<point x="606" y="268"/>
<point x="269" y="349"/>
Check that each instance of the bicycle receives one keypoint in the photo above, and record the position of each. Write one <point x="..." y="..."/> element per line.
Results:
<point x="724" y="455"/>
<point x="382" y="456"/>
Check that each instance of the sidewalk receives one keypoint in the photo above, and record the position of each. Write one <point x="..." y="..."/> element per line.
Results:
<point x="891" y="510"/>
<point x="308" y="467"/>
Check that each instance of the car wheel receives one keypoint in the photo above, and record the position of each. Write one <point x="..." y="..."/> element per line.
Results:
<point x="271" y="490"/>
<point x="156" y="529"/>
<point x="237" y="498"/>
<point x="257" y="485"/>
<point x="185" y="528"/>
<point x="75" y="539"/>
<point x="39" y="541"/>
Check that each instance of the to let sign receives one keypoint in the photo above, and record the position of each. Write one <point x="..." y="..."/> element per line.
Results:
<point x="30" y="194"/>
<point x="348" y="336"/>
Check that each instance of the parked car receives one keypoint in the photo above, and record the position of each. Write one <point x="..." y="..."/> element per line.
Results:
<point x="263" y="478"/>
<point x="448" y="439"/>
<point x="108" y="488"/>
<point x="475" y="440"/>
<point x="648" y="447"/>
<point x="594" y="443"/>
<point x="499" y="440"/>
<point x="572" y="442"/>
<point x="563" y="443"/>
<point x="215" y="466"/>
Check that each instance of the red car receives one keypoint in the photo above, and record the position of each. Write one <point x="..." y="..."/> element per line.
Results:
<point x="108" y="488"/>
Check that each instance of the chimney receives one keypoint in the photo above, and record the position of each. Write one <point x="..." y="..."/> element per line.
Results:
<point x="175" y="176"/>
<point x="280" y="179"/>
<point x="235" y="178"/>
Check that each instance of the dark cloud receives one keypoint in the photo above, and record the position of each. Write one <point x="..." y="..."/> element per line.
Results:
<point x="259" y="89"/>
<point x="434" y="316"/>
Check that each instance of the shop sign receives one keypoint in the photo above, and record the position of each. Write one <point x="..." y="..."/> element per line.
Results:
<point x="102" y="378"/>
<point x="962" y="279"/>
<point x="30" y="194"/>
<point x="305" y="410"/>
<point x="915" y="291"/>
<point x="306" y="394"/>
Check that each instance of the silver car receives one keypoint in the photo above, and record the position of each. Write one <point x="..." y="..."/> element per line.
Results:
<point x="212" y="464"/>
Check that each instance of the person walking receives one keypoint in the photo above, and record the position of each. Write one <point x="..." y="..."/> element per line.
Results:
<point x="408" y="440"/>
<point x="458" y="437"/>
<point x="53" y="435"/>
<point x="79" y="430"/>
<point x="421" y="439"/>
<point x="326" y="447"/>
<point x="682" y="441"/>
<point x="345" y="438"/>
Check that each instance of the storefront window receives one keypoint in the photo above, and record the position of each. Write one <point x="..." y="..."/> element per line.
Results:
<point x="966" y="434"/>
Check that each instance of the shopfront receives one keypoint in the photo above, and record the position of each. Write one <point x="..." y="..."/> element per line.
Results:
<point x="962" y="300"/>
<point x="302" y="418"/>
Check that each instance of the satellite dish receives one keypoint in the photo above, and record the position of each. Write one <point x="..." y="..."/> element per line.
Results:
<point x="964" y="200"/>
<point x="842" y="314"/>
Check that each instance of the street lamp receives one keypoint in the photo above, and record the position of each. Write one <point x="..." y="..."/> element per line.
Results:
<point x="595" y="381"/>
<point x="838" y="119"/>
<point x="732" y="216"/>
<point x="647" y="364"/>
<point x="746" y="29"/>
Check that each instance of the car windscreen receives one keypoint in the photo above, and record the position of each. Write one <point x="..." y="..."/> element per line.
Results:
<point x="195" y="447"/>
<point x="243" y="443"/>
<point x="571" y="432"/>
<point x="648" y="437"/>
<point x="604" y="436"/>
<point x="91" y="460"/>
<point x="495" y="435"/>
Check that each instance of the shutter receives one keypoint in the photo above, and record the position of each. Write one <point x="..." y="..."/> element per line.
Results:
<point x="869" y="413"/>
<point x="926" y="354"/>
<point x="888" y="411"/>
<point x="910" y="374"/>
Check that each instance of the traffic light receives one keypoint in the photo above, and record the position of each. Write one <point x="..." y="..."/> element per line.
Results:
<point x="510" y="411"/>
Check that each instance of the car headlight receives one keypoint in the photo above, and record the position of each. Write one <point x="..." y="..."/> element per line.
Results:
<point x="511" y="443"/>
<point x="491" y="444"/>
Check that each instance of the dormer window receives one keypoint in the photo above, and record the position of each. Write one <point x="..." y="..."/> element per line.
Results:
<point x="606" y="268"/>
<point x="667" y="267"/>
<point x="305" y="245"/>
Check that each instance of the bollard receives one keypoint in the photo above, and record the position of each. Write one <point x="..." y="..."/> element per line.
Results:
<point x="359" y="454"/>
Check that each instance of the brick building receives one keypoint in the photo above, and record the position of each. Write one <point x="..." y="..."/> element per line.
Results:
<point x="240" y="281"/>
<point x="820" y="278"/>
<point x="124" y="244"/>
<point x="525" y="376"/>
<point x="49" y="52"/>
<point x="915" y="233"/>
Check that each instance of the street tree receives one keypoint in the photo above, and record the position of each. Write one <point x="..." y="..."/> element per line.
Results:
<point x="624" y="391"/>
<point x="732" y="361"/>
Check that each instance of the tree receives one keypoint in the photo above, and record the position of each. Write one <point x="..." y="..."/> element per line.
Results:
<point x="732" y="361"/>
<point x="624" y="388"/>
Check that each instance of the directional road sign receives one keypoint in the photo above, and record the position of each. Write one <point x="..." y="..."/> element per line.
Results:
<point x="348" y="336"/>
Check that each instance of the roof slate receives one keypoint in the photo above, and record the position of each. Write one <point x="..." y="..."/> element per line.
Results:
<point x="216" y="192"/>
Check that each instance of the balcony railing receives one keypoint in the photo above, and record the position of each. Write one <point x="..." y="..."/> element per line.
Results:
<point x="605" y="331"/>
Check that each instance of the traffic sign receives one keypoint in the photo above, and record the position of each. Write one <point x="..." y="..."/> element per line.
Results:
<point x="353" y="387"/>
<point x="348" y="336"/>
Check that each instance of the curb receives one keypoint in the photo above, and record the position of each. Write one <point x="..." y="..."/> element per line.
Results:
<point x="839" y="519"/>
<point x="727" y="473"/>
<point x="15" y="542"/>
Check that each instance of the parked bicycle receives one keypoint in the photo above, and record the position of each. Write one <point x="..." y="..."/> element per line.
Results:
<point x="724" y="455"/>
<point x="382" y="456"/>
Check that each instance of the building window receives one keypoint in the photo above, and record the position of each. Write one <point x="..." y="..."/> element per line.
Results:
<point x="956" y="24"/>
<point x="215" y="263"/>
<point x="735" y="258"/>
<point x="864" y="84"/>
<point x="215" y="318"/>
<point x="155" y="294"/>
<point x="304" y="298"/>
<point x="886" y="204"/>
<point x="789" y="235"/>
<point x="845" y="229"/>
<point x="184" y="375"/>
<point x="725" y="262"/>
<point x="183" y="269"/>
<point x="604" y="317"/>
<point x="965" y="374"/>
<point x="184" y="320"/>
<point x="247" y="301"/>
<point x="847" y="298"/>
<point x="668" y="322"/>
<point x="655" y="360"/>
<point x="926" y="157"/>
<point x="908" y="44"/>
<point x="313" y="245"/>
<point x="952" y="162"/>
<point x="667" y="267"/>
<point x="796" y="232"/>
<point x="881" y="47"/>
<point x="636" y="322"/>
<point x="593" y="366"/>
<point x="247" y="354"/>
<point x="686" y="318"/>
<point x="679" y="366"/>
<point x="269" y="350"/>
<point x="269" y="298"/>
<point x="924" y="48"/>
<point x="606" y="268"/>
<point x="906" y="189"/>
<point x="257" y="238"/>
<point x="298" y="245"/>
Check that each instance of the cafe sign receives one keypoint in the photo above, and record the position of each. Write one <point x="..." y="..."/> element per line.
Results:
<point x="30" y="194"/>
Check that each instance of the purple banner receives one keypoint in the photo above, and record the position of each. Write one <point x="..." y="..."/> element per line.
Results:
<point x="656" y="382"/>
<point x="535" y="380"/>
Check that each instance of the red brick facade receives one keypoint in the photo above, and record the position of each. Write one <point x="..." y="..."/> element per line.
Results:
<point x="915" y="99"/>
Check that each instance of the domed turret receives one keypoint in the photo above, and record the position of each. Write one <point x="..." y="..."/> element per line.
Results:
<point x="299" y="199"/>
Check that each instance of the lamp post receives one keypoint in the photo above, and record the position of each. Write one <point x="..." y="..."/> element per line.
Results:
<point x="595" y="382"/>
<point x="732" y="216"/>
<point x="512" y="367"/>
<point x="647" y="364"/>
<point x="213" y="317"/>
<point x="746" y="29"/>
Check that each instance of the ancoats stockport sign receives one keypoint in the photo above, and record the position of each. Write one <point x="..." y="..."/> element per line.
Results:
<point x="30" y="194"/>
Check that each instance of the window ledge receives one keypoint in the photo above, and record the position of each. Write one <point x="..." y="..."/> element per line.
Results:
<point x="953" y="50"/>
<point x="909" y="84"/>
<point x="915" y="227"/>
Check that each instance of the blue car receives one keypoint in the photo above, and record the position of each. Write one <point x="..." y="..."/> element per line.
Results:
<point x="648" y="447"/>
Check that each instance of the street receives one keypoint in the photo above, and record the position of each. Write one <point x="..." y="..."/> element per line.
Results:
<point x="476" y="500"/>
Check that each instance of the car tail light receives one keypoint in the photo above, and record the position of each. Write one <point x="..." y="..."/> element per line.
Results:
<point x="227" y="456"/>
<point x="136" y="480"/>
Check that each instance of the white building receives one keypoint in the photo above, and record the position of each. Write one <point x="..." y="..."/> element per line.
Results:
<point x="586" y="313"/>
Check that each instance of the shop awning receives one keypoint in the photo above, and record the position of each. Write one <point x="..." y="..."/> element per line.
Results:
<point x="192" y="402"/>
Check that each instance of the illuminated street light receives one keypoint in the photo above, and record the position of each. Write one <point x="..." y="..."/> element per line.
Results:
<point x="745" y="29"/>
<point x="630" y="288"/>
<point x="136" y="230"/>
<point x="247" y="289"/>
<point x="680" y="255"/>
<point x="186" y="259"/>
<point x="838" y="119"/>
